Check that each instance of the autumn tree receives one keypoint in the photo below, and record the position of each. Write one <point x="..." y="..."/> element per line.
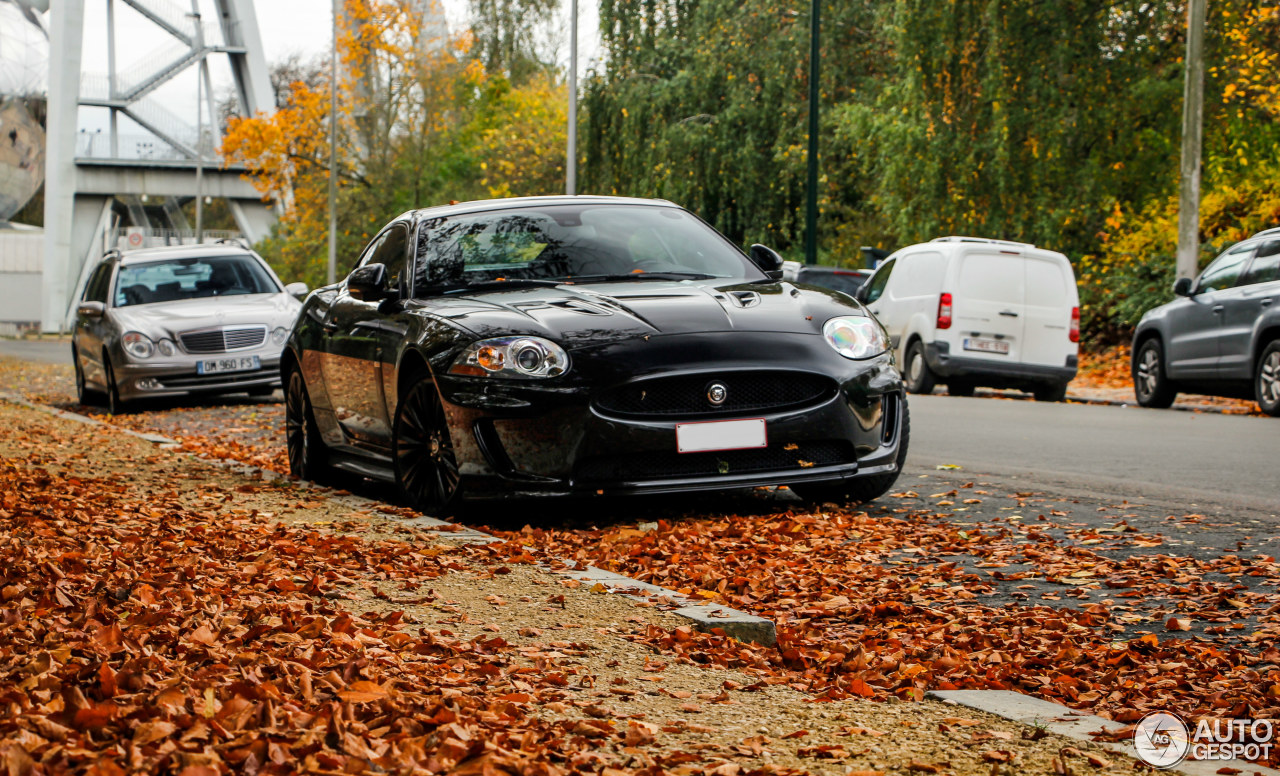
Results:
<point x="420" y="122"/>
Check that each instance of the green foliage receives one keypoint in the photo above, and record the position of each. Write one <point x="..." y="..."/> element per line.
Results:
<point x="704" y="102"/>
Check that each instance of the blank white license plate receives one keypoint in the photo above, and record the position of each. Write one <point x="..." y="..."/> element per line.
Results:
<point x="220" y="365"/>
<point x="987" y="345"/>
<point x="720" y="435"/>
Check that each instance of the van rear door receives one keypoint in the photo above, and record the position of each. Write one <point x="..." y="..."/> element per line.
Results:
<point x="1046" y="330"/>
<point x="987" y="306"/>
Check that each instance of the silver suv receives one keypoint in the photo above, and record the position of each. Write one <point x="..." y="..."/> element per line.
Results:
<point x="1221" y="336"/>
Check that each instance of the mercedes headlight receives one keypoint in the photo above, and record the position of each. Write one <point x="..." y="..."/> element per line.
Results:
<point x="166" y="348"/>
<point x="138" y="345"/>
<point x="279" y="334"/>
<point x="514" y="357"/>
<point x="855" y="336"/>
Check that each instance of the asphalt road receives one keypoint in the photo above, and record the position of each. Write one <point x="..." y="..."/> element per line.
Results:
<point x="44" y="351"/>
<point x="1184" y="461"/>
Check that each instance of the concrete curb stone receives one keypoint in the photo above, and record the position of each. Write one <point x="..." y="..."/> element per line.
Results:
<point x="1076" y="725"/>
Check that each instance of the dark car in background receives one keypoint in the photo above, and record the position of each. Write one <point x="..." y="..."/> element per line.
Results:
<point x="836" y="278"/>
<point x="586" y="345"/>
<point x="1221" y="336"/>
<point x="182" y="320"/>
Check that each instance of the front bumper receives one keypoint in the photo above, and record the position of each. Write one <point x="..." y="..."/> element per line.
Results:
<point x="995" y="374"/>
<point x="158" y="378"/>
<point x="533" y="439"/>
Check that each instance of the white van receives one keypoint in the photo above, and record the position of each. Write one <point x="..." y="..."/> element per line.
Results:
<point x="968" y="312"/>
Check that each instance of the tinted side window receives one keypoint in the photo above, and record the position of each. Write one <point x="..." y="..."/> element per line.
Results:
<point x="96" y="289"/>
<point x="1266" y="265"/>
<point x="391" y="253"/>
<point x="875" y="286"/>
<point x="1225" y="270"/>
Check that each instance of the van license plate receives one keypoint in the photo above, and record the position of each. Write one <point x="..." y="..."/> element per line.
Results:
<point x="720" y="435"/>
<point x="220" y="365"/>
<point x="987" y="345"/>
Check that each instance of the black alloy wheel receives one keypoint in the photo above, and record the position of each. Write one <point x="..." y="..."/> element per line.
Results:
<point x="1266" y="383"/>
<point x="115" y="406"/>
<point x="425" y="466"/>
<point x="919" y="377"/>
<point x="84" y="396"/>
<point x="1150" y="384"/>
<point x="308" y="458"/>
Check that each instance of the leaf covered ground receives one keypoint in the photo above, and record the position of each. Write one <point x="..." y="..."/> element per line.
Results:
<point x="951" y="582"/>
<point x="161" y="614"/>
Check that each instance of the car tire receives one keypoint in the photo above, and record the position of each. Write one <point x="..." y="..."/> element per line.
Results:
<point x="919" y="377"/>
<point x="84" y="396"/>
<point x="959" y="388"/>
<point x="1054" y="393"/>
<point x="862" y="489"/>
<point x="115" y="405"/>
<point x="1150" y="384"/>
<point x="1266" y="381"/>
<point x="308" y="456"/>
<point x="426" y="469"/>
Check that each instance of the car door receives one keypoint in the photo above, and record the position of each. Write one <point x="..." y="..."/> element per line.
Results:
<point x="357" y="336"/>
<point x="1046" y="327"/>
<point x="987" y="306"/>
<point x="1195" y="322"/>
<point x="1243" y="305"/>
<point x="90" y="332"/>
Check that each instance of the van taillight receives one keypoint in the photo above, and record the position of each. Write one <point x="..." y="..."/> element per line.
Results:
<point x="944" y="311"/>
<point x="1074" y="336"/>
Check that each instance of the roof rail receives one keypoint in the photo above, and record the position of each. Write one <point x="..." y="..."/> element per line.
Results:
<point x="1265" y="232"/>
<point x="239" y="242"/>
<point x="960" y="239"/>
<point x="111" y="253"/>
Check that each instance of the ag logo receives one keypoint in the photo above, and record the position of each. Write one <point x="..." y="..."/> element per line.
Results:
<point x="1161" y="739"/>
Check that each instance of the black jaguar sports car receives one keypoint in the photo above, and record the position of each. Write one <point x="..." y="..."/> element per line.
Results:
<point x="561" y="346"/>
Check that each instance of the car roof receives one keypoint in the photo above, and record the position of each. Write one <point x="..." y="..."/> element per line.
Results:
<point x="203" y="250"/>
<point x="484" y="205"/>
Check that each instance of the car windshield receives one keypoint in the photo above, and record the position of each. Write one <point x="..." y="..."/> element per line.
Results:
<point x="173" y="280"/>
<point x="568" y="242"/>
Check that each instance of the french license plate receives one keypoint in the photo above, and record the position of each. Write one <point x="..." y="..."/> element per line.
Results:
<point x="720" y="435"/>
<point x="221" y="365"/>
<point x="987" y="345"/>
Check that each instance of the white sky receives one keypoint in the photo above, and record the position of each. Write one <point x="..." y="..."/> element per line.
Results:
<point x="287" y="27"/>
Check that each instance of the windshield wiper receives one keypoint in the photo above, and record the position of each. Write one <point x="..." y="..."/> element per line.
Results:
<point x="639" y="276"/>
<point x="490" y="285"/>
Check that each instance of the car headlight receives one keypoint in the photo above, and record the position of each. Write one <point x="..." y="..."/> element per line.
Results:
<point x="138" y="345"/>
<point x="514" y="357"/>
<point x="855" y="336"/>
<point x="166" y="348"/>
<point x="279" y="334"/>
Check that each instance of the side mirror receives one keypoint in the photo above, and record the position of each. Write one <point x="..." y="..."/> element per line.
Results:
<point x="1182" y="287"/>
<point x="768" y="260"/>
<point x="861" y="292"/>
<point x="296" y="290"/>
<point x="92" y="309"/>
<point x="368" y="283"/>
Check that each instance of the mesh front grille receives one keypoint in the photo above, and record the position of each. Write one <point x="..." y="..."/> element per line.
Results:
<point x="636" y="467"/>
<point x="686" y="395"/>
<point x="223" y="340"/>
